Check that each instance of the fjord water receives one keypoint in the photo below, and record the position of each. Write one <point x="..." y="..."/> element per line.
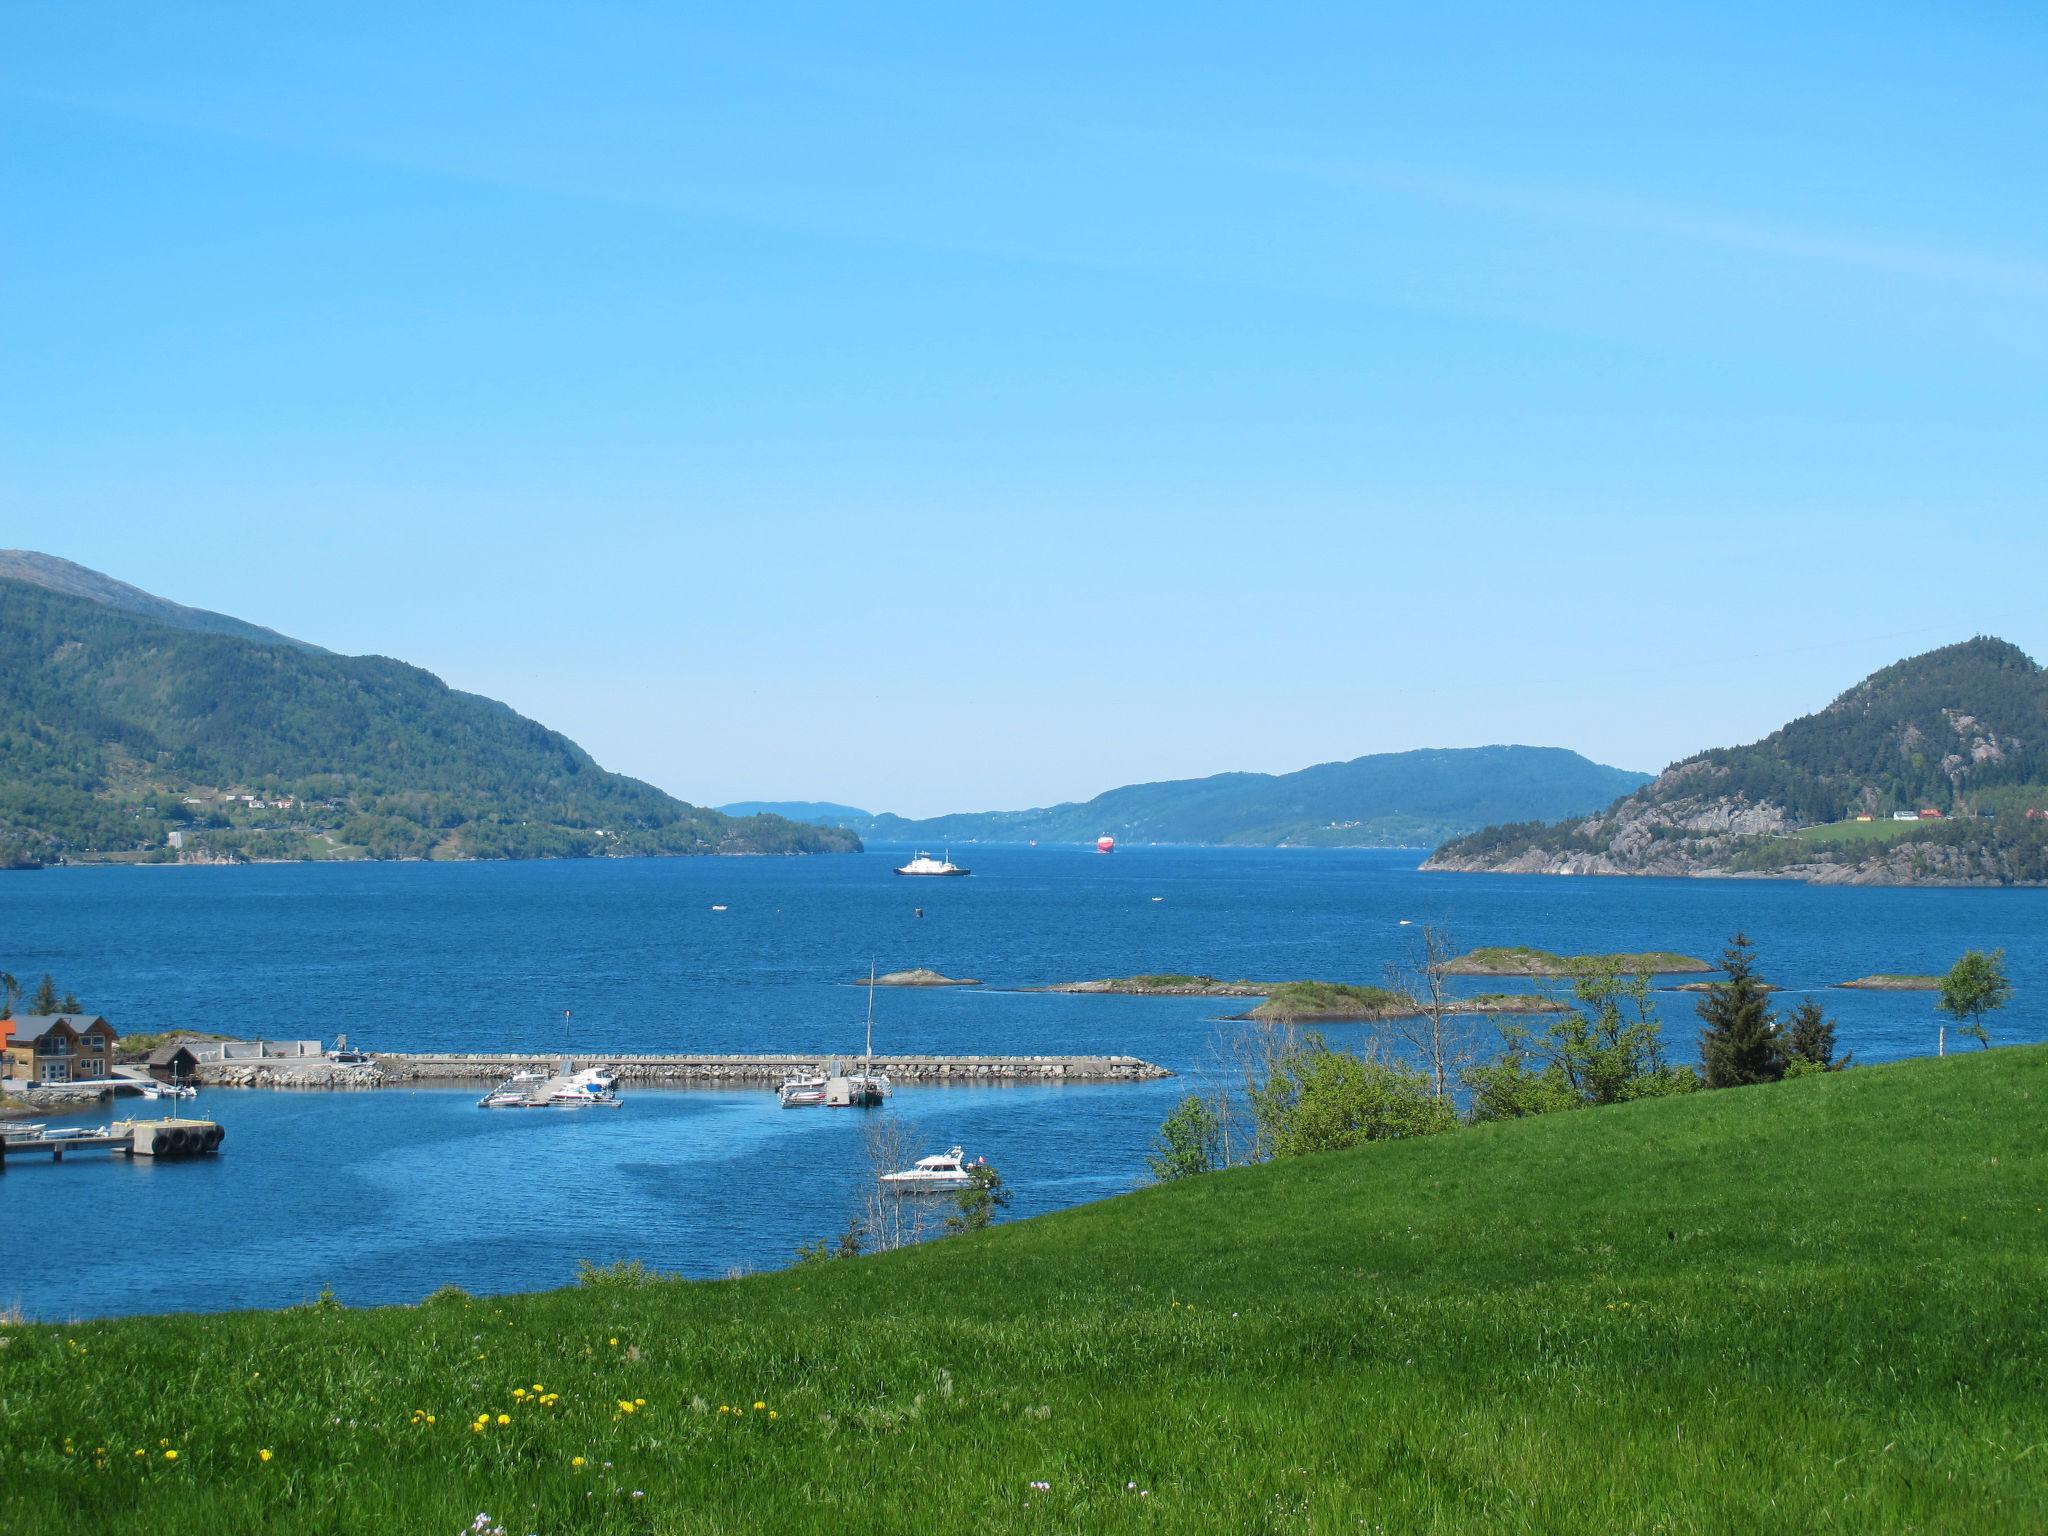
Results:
<point x="385" y="1195"/>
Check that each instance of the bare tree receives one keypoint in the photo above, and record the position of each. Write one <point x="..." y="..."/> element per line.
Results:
<point x="1442" y="1036"/>
<point x="890" y="1217"/>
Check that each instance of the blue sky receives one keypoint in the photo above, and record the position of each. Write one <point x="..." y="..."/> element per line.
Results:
<point x="950" y="407"/>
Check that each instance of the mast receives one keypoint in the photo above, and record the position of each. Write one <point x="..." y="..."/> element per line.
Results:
<point x="871" y="1015"/>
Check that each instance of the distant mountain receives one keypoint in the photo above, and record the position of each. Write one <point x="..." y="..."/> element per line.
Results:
<point x="1394" y="799"/>
<point x="822" y="813"/>
<point x="63" y="576"/>
<point x="1944" y="757"/>
<point x="129" y="724"/>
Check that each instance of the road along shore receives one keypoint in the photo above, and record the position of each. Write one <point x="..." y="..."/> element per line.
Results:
<point x="392" y="1069"/>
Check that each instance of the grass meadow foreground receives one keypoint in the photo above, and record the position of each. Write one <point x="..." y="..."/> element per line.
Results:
<point x="1816" y="1305"/>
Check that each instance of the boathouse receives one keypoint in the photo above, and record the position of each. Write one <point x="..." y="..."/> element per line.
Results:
<point x="173" y="1063"/>
<point x="59" y="1048"/>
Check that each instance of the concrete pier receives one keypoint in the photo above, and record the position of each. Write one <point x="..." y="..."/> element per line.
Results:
<point x="678" y="1070"/>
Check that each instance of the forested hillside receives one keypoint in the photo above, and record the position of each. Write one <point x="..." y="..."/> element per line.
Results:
<point x="118" y="729"/>
<point x="1961" y="732"/>
<point x="1392" y="799"/>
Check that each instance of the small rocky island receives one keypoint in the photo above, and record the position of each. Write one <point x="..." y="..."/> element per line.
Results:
<point x="1331" y="1002"/>
<point x="1520" y="960"/>
<point x="1165" y="985"/>
<point x="920" y="976"/>
<point x="1886" y="982"/>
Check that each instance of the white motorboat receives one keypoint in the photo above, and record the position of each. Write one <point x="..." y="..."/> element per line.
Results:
<point x="802" y="1092"/>
<point x="591" y="1086"/>
<point x="925" y="864"/>
<point x="939" y="1173"/>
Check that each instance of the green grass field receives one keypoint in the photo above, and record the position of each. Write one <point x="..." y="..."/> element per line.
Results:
<point x="1883" y="830"/>
<point x="1814" y="1306"/>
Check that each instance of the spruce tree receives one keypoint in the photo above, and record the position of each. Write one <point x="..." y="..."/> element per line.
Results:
<point x="45" y="1000"/>
<point x="1740" y="1043"/>
<point x="1809" y="1037"/>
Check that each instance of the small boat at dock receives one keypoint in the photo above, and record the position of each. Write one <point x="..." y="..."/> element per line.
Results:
<point x="594" y="1086"/>
<point x="802" y="1092"/>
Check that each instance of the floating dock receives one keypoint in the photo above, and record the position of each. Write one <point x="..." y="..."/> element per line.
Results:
<point x="125" y="1138"/>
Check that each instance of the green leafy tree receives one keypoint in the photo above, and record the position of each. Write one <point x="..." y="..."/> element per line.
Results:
<point x="1189" y="1142"/>
<point x="1809" y="1037"/>
<point x="1740" y="1043"/>
<point x="1515" y="1084"/>
<point x="977" y="1204"/>
<point x="45" y="1000"/>
<point x="1325" y="1100"/>
<point x="1974" y="988"/>
<point x="1610" y="1048"/>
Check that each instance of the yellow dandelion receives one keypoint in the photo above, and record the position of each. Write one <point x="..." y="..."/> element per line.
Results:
<point x="725" y="1408"/>
<point x="759" y="1406"/>
<point x="538" y="1387"/>
<point x="170" y="1455"/>
<point x="263" y="1455"/>
<point x="163" y="1443"/>
<point x="504" y="1418"/>
<point x="575" y="1461"/>
<point x="140" y="1451"/>
<point x="773" y="1415"/>
<point x="613" y="1342"/>
<point x="639" y="1402"/>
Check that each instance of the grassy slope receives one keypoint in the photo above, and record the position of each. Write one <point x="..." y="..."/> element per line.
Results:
<point x="1812" y="1306"/>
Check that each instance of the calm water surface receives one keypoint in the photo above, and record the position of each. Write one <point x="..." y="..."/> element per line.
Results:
<point x="386" y="1195"/>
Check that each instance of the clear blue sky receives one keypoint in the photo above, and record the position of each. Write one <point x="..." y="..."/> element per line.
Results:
<point x="950" y="407"/>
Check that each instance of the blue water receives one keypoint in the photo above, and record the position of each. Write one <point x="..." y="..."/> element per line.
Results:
<point x="383" y="1196"/>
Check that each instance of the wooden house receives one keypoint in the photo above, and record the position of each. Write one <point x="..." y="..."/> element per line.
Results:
<point x="60" y="1048"/>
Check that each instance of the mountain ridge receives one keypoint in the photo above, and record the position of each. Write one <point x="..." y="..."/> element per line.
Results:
<point x="133" y="736"/>
<point x="1932" y="770"/>
<point x="1388" y="799"/>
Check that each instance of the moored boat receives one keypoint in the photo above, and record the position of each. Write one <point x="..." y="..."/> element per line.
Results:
<point x="802" y="1092"/>
<point x="939" y="1173"/>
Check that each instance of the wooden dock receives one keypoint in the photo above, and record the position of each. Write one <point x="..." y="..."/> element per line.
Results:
<point x="170" y="1139"/>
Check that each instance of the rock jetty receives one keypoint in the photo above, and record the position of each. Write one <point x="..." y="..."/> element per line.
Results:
<point x="919" y="977"/>
<point x="679" y="1070"/>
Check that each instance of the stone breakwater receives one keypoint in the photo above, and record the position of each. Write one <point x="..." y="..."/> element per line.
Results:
<point x="678" y="1070"/>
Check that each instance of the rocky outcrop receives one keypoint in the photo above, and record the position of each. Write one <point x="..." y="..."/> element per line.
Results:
<point x="919" y="977"/>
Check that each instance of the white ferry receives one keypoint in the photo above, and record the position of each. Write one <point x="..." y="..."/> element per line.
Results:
<point x="925" y="864"/>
